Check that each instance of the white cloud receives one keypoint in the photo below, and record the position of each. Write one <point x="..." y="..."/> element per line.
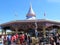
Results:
<point x="53" y="1"/>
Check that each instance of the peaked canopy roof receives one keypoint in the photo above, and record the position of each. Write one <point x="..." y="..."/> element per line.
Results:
<point x="30" y="12"/>
<point x="23" y="24"/>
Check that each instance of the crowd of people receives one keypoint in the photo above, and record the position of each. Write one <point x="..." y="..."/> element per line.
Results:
<point x="51" y="39"/>
<point x="15" y="39"/>
<point x="25" y="39"/>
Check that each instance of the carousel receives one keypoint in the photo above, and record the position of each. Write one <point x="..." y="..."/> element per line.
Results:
<point x="31" y="25"/>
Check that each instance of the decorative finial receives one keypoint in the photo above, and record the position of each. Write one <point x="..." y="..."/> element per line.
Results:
<point x="44" y="14"/>
<point x="16" y="15"/>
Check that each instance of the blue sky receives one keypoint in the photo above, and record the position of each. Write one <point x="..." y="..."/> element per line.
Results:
<point x="10" y="8"/>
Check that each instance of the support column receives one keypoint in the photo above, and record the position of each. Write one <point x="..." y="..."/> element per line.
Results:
<point x="58" y="30"/>
<point x="44" y="31"/>
<point x="5" y="31"/>
<point x="16" y="29"/>
<point x="36" y="29"/>
<point x="2" y="31"/>
<point x="36" y="33"/>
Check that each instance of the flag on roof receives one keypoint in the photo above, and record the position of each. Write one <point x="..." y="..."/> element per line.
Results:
<point x="44" y="14"/>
